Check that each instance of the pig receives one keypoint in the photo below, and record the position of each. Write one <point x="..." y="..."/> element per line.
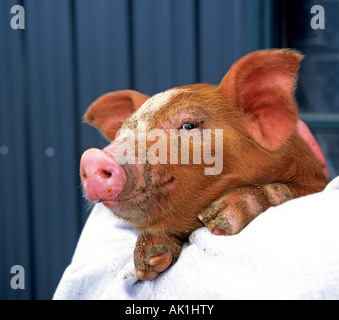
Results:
<point x="252" y="113"/>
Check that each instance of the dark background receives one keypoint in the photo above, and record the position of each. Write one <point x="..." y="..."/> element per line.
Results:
<point x="73" y="51"/>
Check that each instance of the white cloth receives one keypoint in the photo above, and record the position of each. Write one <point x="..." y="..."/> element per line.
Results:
<point x="288" y="252"/>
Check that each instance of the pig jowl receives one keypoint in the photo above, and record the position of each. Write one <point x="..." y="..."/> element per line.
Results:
<point x="200" y="155"/>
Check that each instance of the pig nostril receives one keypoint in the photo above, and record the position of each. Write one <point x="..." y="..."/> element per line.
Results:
<point x="106" y="174"/>
<point x="83" y="174"/>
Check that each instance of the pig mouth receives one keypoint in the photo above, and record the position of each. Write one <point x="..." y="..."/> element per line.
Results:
<point x="140" y="196"/>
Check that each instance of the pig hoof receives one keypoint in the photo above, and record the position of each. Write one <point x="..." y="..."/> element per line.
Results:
<point x="155" y="254"/>
<point x="233" y="211"/>
<point x="155" y="265"/>
<point x="230" y="214"/>
<point x="218" y="225"/>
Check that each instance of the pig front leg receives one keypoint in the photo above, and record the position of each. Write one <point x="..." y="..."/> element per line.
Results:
<point x="233" y="211"/>
<point x="155" y="254"/>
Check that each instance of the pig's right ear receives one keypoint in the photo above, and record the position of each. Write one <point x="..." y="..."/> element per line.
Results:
<point x="261" y="86"/>
<point x="108" y="112"/>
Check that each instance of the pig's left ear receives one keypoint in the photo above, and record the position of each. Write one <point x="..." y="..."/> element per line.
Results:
<point x="108" y="112"/>
<point x="261" y="85"/>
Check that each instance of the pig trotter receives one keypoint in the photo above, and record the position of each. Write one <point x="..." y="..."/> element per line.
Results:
<point x="233" y="211"/>
<point x="155" y="254"/>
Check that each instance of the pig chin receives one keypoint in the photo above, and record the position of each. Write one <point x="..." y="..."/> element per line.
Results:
<point x="140" y="202"/>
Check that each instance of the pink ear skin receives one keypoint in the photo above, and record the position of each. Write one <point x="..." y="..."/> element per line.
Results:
<point x="261" y="85"/>
<point x="306" y="134"/>
<point x="108" y="112"/>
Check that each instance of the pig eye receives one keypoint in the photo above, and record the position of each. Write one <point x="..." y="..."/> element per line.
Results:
<point x="189" y="125"/>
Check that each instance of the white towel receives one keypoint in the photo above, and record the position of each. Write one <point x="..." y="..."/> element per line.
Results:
<point x="288" y="252"/>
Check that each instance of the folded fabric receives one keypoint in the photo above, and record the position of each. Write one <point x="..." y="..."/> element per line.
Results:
<point x="288" y="252"/>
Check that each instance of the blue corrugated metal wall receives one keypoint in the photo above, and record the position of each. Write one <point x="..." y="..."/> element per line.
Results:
<point x="319" y="81"/>
<point x="71" y="52"/>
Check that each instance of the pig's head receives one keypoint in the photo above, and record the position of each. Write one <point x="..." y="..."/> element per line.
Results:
<point x="145" y="177"/>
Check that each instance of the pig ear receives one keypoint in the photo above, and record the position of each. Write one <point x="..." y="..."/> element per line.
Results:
<point x="261" y="85"/>
<point x="108" y="112"/>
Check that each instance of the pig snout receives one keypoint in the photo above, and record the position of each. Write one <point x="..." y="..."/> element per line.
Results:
<point x="102" y="176"/>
